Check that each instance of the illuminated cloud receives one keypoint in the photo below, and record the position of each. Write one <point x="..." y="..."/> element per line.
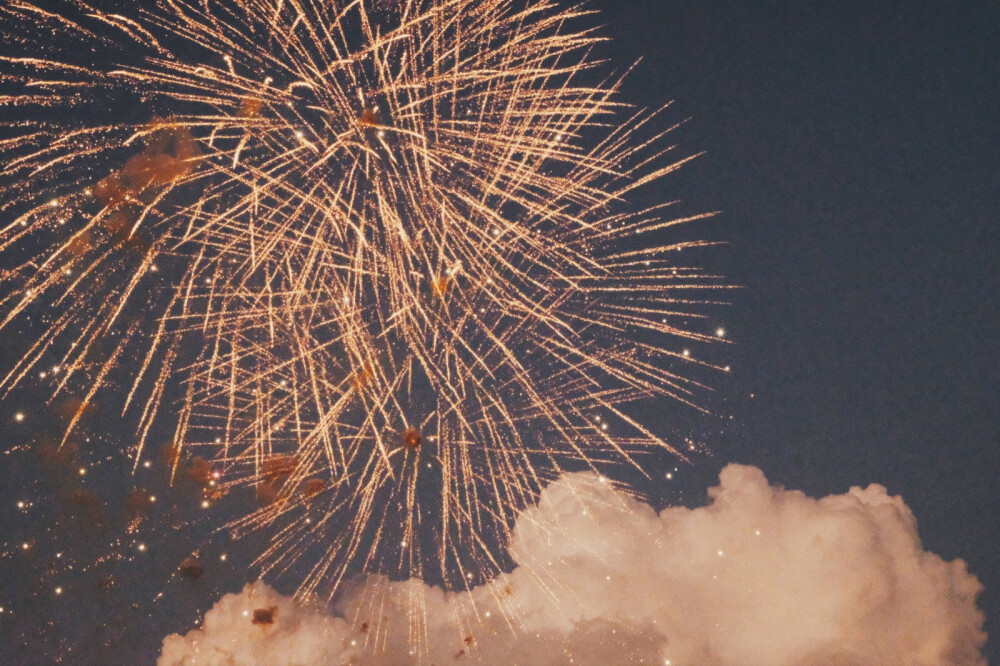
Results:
<point x="761" y="575"/>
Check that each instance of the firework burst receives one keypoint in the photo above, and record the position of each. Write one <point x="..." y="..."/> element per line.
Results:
<point x="375" y="261"/>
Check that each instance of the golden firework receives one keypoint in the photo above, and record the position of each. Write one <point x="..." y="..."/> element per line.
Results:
<point x="377" y="262"/>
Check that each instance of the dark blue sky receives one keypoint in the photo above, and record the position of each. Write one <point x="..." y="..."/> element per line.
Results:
<point x="852" y="148"/>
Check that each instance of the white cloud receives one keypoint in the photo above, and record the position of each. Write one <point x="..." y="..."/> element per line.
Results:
<point x="761" y="575"/>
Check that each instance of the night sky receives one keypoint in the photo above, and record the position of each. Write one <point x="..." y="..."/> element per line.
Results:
<point x="852" y="151"/>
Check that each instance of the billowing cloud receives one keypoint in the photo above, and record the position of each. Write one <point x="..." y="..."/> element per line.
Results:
<point x="761" y="575"/>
